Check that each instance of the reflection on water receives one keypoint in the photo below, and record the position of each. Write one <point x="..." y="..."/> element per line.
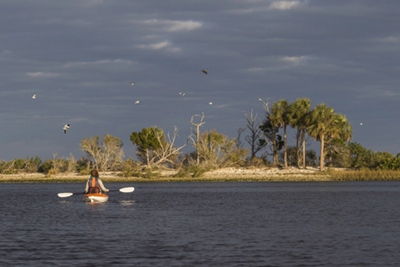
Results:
<point x="203" y="224"/>
<point x="127" y="202"/>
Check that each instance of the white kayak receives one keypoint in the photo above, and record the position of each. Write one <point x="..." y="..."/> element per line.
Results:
<point x="95" y="198"/>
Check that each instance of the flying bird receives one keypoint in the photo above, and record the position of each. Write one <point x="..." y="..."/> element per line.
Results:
<point x="182" y="94"/>
<point x="210" y="103"/>
<point x="361" y="123"/>
<point x="34" y="96"/>
<point x="132" y="83"/>
<point x="137" y="102"/>
<point x="205" y="71"/>
<point x="66" y="126"/>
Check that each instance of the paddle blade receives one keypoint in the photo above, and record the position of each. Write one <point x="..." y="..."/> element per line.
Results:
<point x="65" y="194"/>
<point x="127" y="189"/>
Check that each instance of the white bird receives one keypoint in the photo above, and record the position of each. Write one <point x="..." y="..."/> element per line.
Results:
<point x="137" y="102"/>
<point x="34" y="96"/>
<point x="361" y="123"/>
<point x="259" y="98"/>
<point x="182" y="94"/>
<point x="66" y="126"/>
<point x="210" y="103"/>
<point x="132" y="83"/>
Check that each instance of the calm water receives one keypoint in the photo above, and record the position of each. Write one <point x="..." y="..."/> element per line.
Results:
<point x="203" y="224"/>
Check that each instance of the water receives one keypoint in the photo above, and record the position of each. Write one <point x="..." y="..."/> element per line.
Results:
<point x="203" y="224"/>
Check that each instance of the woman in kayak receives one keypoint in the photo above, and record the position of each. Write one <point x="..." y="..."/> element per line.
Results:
<point x="94" y="184"/>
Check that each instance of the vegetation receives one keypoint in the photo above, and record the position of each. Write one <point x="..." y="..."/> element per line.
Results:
<point x="108" y="155"/>
<point x="213" y="150"/>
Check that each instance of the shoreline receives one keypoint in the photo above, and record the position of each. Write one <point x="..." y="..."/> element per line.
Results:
<point x="291" y="174"/>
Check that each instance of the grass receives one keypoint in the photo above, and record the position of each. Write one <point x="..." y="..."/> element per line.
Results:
<point x="370" y="175"/>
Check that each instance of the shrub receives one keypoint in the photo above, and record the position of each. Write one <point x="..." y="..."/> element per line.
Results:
<point x="46" y="166"/>
<point x="84" y="172"/>
<point x="197" y="171"/>
<point x="52" y="171"/>
<point x="182" y="173"/>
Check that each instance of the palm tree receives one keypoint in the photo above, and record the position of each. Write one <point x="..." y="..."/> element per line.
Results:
<point x="279" y="117"/>
<point x="321" y="121"/>
<point x="297" y="113"/>
<point x="340" y="131"/>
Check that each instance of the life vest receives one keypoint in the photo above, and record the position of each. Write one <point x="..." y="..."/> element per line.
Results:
<point x="94" y="187"/>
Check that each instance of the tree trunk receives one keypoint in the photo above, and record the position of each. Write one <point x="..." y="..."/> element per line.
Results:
<point x="284" y="148"/>
<point x="321" y="164"/>
<point x="298" y="147"/>
<point x="303" y="136"/>
<point x="275" y="150"/>
<point x="197" y="144"/>
<point x="148" y="158"/>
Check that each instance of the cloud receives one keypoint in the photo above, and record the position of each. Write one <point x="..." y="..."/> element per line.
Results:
<point x="255" y="70"/>
<point x="284" y="5"/>
<point x="220" y="106"/>
<point x="246" y="11"/>
<point x="295" y="60"/>
<point x="166" y="45"/>
<point x="276" y="5"/>
<point x="174" y="25"/>
<point x="42" y="74"/>
<point x="390" y="39"/>
<point x="87" y="3"/>
<point x="98" y="62"/>
<point x="390" y="93"/>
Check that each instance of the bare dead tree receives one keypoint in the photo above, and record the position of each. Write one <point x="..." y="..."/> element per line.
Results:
<point x="197" y="133"/>
<point x="265" y="106"/>
<point x="72" y="163"/>
<point x="167" y="151"/>
<point x="57" y="163"/>
<point x="238" y="142"/>
<point x="105" y="155"/>
<point x="255" y="134"/>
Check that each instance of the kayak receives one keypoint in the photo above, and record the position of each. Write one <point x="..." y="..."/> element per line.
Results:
<point x="95" y="198"/>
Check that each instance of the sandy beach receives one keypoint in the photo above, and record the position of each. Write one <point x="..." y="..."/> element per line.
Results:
<point x="267" y="174"/>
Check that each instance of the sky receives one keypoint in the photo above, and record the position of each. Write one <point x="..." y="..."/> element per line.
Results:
<point x="81" y="56"/>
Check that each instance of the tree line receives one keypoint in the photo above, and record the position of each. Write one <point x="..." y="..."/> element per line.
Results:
<point x="155" y="148"/>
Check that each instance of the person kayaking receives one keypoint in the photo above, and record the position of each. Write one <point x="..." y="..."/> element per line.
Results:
<point x="94" y="184"/>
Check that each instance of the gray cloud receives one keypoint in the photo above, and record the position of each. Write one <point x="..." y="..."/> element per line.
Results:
<point x="80" y="57"/>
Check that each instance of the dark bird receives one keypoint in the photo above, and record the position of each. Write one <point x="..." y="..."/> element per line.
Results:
<point x="66" y="126"/>
<point x="205" y="71"/>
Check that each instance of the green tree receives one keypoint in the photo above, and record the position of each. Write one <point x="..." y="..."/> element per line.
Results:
<point x="147" y="141"/>
<point x="325" y="126"/>
<point x="154" y="148"/>
<point x="337" y="135"/>
<point x="271" y="133"/>
<point x="390" y="163"/>
<point x="215" y="149"/>
<point x="360" y="157"/>
<point x="297" y="114"/>
<point x="279" y="118"/>
<point x="321" y="120"/>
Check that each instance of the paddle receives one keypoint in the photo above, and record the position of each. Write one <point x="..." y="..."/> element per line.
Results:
<point x="123" y="190"/>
